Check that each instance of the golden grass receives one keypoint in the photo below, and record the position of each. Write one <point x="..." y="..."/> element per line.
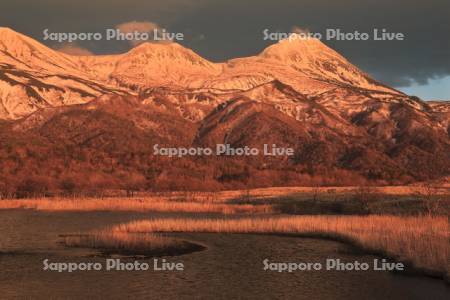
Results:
<point x="130" y="204"/>
<point x="422" y="241"/>
<point x="119" y="240"/>
<point x="130" y="243"/>
<point x="272" y="192"/>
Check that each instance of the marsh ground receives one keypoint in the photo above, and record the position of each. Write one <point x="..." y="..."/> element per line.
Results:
<point x="230" y="267"/>
<point x="230" y="262"/>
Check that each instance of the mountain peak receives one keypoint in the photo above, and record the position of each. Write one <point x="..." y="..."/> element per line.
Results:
<point x="7" y="35"/>
<point x="15" y="42"/>
<point x="170" y="47"/>
<point x="314" y="59"/>
<point x="7" y="30"/>
<point x="161" y="64"/>
<point x="26" y="53"/>
<point x="153" y="46"/>
<point x="297" y="47"/>
<point x="167" y="54"/>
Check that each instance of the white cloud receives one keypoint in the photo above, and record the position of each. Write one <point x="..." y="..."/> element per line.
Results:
<point x="135" y="26"/>
<point x="297" y="29"/>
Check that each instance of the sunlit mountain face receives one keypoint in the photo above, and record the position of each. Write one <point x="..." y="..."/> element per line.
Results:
<point x="298" y="93"/>
<point x="416" y="64"/>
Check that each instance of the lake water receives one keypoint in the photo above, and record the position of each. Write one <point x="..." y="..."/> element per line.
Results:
<point x="230" y="268"/>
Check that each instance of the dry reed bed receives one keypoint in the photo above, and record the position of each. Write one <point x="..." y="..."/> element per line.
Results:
<point x="421" y="241"/>
<point x="130" y="204"/>
<point x="272" y="192"/>
<point x="129" y="243"/>
<point x="118" y="240"/>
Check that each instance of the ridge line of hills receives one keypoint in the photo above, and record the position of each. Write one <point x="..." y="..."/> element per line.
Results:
<point x="91" y="122"/>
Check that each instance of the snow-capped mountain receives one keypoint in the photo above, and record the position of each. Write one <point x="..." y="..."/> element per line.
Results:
<point x="297" y="93"/>
<point x="35" y="76"/>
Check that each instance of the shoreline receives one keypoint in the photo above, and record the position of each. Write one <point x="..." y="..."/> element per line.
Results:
<point x="368" y="234"/>
<point x="193" y="246"/>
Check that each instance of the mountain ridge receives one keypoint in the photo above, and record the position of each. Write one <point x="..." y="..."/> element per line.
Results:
<point x="156" y="65"/>
<point x="98" y="117"/>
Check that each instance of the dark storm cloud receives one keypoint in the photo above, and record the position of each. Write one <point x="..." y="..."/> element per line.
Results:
<point x="222" y="29"/>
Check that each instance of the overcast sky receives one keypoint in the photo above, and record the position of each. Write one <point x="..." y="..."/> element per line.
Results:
<point x="222" y="29"/>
